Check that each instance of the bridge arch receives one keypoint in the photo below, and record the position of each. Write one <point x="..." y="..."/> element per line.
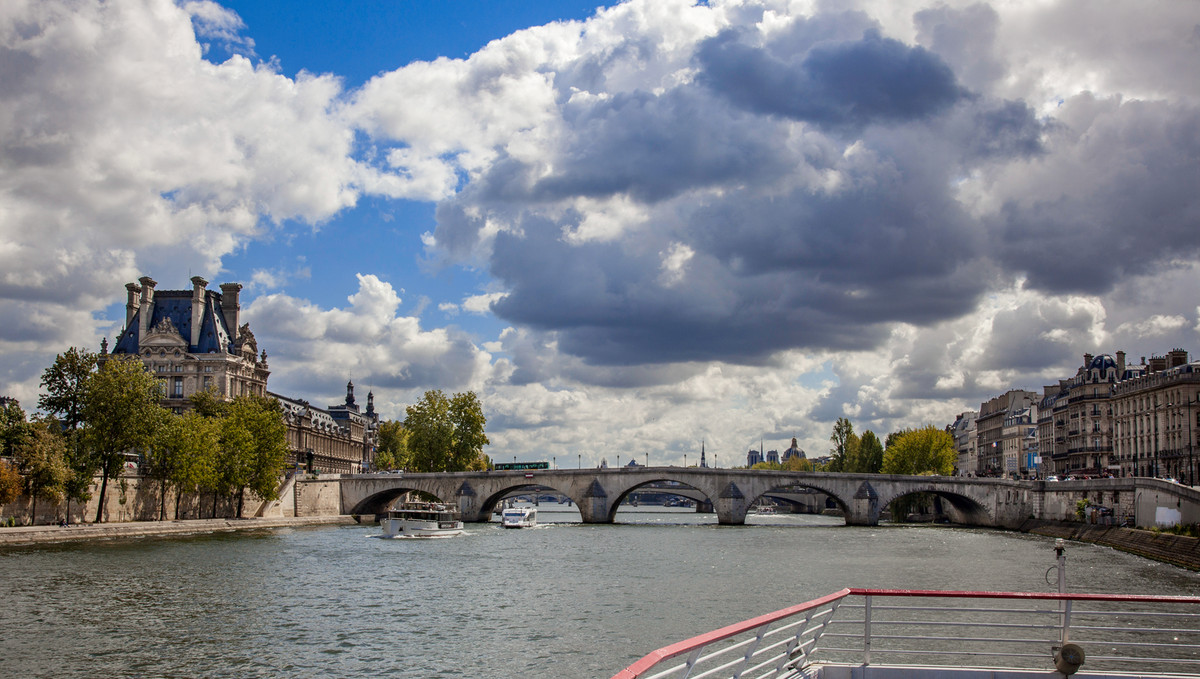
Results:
<point x="693" y="493"/>
<point x="487" y="505"/>
<point x="964" y="509"/>
<point x="788" y="487"/>
<point x="379" y="503"/>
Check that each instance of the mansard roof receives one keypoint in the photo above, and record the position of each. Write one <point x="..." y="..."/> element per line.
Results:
<point x="175" y="307"/>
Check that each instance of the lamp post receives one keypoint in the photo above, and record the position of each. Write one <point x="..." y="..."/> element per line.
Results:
<point x="647" y="459"/>
<point x="685" y="460"/>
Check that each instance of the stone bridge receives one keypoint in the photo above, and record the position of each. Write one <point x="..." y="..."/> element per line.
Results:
<point x="599" y="492"/>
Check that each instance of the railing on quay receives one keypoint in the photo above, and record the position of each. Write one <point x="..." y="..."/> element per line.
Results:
<point x="1017" y="630"/>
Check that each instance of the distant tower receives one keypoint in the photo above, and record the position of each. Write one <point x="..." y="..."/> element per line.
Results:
<point x="703" y="464"/>
<point x="370" y="404"/>
<point x="350" y="396"/>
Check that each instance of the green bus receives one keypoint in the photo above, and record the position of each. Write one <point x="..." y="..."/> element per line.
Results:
<point x="519" y="466"/>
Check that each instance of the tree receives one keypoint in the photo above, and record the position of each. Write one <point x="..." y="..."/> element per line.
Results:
<point x="844" y="449"/>
<point x="445" y="434"/>
<point x="466" y="414"/>
<point x="182" y="456"/>
<point x="796" y="464"/>
<point x="392" y="451"/>
<point x="13" y="427"/>
<point x="253" y="448"/>
<point x="120" y="414"/>
<point x="10" y="483"/>
<point x="870" y="453"/>
<point x="928" y="450"/>
<point x="41" y="460"/>
<point x="65" y="383"/>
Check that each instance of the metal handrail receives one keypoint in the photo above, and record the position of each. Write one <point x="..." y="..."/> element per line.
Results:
<point x="783" y="643"/>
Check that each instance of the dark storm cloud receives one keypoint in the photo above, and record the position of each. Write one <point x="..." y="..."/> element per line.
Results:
<point x="841" y="85"/>
<point x="653" y="147"/>
<point x="1127" y="205"/>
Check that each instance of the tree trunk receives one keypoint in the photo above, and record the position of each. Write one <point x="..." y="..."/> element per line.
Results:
<point x="162" y="501"/>
<point x="33" y="513"/>
<point x="241" y="500"/>
<point x="178" y="497"/>
<point x="103" y="487"/>
<point x="214" y="511"/>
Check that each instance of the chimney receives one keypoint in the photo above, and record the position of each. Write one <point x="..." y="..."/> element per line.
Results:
<point x="1176" y="358"/>
<point x="1087" y="361"/>
<point x="147" y="307"/>
<point x="198" y="286"/>
<point x="131" y="306"/>
<point x="1120" y="365"/>
<point x="230" y="307"/>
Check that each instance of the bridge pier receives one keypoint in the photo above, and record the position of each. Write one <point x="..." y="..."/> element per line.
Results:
<point x="731" y="506"/>
<point x="864" y="508"/>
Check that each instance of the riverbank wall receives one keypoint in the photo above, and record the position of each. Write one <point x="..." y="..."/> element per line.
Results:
<point x="131" y="498"/>
<point x="34" y="535"/>
<point x="1179" y="550"/>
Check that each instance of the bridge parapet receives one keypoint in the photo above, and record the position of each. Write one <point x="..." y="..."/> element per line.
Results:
<point x="862" y="497"/>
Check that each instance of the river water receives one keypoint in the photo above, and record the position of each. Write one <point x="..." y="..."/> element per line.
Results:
<point x="561" y="600"/>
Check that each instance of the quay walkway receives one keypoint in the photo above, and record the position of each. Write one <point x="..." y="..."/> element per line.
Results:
<point x="46" y="534"/>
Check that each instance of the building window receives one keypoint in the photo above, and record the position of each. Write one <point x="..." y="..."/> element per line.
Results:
<point x="178" y="387"/>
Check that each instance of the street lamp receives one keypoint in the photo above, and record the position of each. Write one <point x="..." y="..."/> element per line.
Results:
<point x="647" y="459"/>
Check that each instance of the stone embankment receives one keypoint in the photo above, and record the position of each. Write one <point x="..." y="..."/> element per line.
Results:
<point x="27" y="535"/>
<point x="1179" y="550"/>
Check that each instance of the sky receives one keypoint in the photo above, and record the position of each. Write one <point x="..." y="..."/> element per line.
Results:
<point x="634" y="229"/>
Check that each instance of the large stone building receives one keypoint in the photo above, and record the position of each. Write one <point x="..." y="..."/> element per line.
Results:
<point x="966" y="442"/>
<point x="1111" y="418"/>
<point x="1156" y="418"/>
<point x="1002" y="426"/>
<point x="193" y="340"/>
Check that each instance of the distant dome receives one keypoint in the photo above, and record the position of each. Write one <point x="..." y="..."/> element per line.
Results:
<point x="1103" y="362"/>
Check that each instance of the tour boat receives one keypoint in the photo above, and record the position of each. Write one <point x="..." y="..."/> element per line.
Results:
<point x="421" y="520"/>
<point x="909" y="634"/>
<point x="519" y="517"/>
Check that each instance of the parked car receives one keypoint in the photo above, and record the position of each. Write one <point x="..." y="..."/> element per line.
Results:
<point x="1052" y="477"/>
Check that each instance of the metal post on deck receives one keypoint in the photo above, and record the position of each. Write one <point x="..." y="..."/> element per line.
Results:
<point x="867" y="631"/>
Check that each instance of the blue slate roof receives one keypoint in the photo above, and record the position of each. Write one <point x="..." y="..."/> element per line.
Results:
<point x="176" y="305"/>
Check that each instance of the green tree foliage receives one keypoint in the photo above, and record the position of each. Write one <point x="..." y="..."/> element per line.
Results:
<point x="392" y="449"/>
<point x="870" y="453"/>
<point x="845" y="447"/>
<point x="928" y="450"/>
<point x="253" y="448"/>
<point x="445" y="434"/>
<point x="183" y="456"/>
<point x="41" y="460"/>
<point x="797" y="464"/>
<point x="13" y="428"/>
<point x="769" y="466"/>
<point x="120" y="414"/>
<point x="466" y="414"/>
<point x="65" y="384"/>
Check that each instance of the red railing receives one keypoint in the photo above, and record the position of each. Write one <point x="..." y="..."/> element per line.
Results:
<point x="784" y="643"/>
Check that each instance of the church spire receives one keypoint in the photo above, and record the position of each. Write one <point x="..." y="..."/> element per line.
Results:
<point x="703" y="464"/>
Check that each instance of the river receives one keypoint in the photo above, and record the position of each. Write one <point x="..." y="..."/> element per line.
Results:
<point x="561" y="600"/>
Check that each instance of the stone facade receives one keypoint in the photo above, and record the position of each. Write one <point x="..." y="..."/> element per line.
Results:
<point x="1156" y="419"/>
<point x="193" y="341"/>
<point x="1003" y="429"/>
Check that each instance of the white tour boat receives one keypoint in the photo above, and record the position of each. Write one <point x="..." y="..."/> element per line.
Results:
<point x="421" y="520"/>
<point x="916" y="634"/>
<point x="519" y="517"/>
